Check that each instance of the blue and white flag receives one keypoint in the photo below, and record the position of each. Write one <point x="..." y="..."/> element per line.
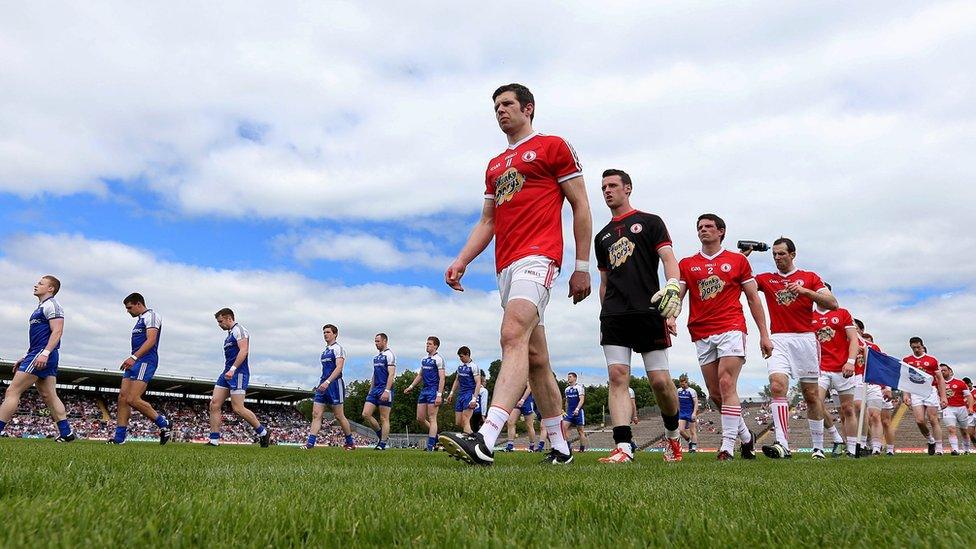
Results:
<point x="882" y="369"/>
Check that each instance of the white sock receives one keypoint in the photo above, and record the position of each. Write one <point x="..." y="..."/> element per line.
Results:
<point x="553" y="426"/>
<point x="965" y="443"/>
<point x="781" y="421"/>
<point x="851" y="444"/>
<point x="938" y="447"/>
<point x="954" y="443"/>
<point x="875" y="446"/>
<point x="834" y="434"/>
<point x="816" y="433"/>
<point x="891" y="448"/>
<point x="744" y="435"/>
<point x="492" y="427"/>
<point x="931" y="439"/>
<point x="731" y="417"/>
<point x="626" y="448"/>
<point x="864" y="440"/>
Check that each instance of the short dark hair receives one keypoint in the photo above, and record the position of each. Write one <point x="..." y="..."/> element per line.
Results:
<point x="683" y="377"/>
<point x="463" y="350"/>
<point x="572" y="374"/>
<point x="946" y="365"/>
<point x="967" y="381"/>
<point x="859" y="324"/>
<point x="916" y="339"/>
<point x="829" y="287"/>
<point x="522" y="95"/>
<point x="719" y="222"/>
<point x="383" y="336"/>
<point x="435" y="339"/>
<point x="868" y="336"/>
<point x="133" y="298"/>
<point x="224" y="312"/>
<point x="624" y="176"/>
<point x="790" y="246"/>
<point x="332" y="327"/>
<point x="54" y="282"/>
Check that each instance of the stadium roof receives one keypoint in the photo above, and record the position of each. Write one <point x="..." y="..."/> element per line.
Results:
<point x="105" y="378"/>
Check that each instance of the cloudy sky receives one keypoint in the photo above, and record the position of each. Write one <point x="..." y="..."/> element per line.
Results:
<point x="323" y="162"/>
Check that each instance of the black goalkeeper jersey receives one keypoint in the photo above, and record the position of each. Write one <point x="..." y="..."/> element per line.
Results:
<point x="626" y="249"/>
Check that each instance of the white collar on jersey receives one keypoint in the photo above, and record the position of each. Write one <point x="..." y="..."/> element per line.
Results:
<point x="718" y="253"/>
<point x="784" y="275"/>
<point x="515" y="145"/>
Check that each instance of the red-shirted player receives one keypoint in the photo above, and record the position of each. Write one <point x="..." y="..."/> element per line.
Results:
<point x="956" y="414"/>
<point x="715" y="278"/>
<point x="839" y="340"/>
<point x="790" y="295"/>
<point x="927" y="410"/>
<point x="877" y="398"/>
<point x="524" y="190"/>
<point x="971" y="430"/>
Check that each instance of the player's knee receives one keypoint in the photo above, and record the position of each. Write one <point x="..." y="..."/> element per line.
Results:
<point x="215" y="407"/>
<point x="238" y="407"/>
<point x="726" y="384"/>
<point x="658" y="384"/>
<point x="619" y="375"/>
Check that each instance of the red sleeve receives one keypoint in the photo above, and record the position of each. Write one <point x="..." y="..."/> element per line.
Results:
<point x="848" y="319"/>
<point x="563" y="163"/>
<point x="761" y="283"/>
<point x="489" y="185"/>
<point x="745" y="270"/>
<point x="683" y="274"/>
<point x="815" y="283"/>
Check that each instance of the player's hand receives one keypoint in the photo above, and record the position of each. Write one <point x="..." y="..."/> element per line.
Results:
<point x="746" y="252"/>
<point x="847" y="370"/>
<point x="450" y="397"/>
<point x="668" y="299"/>
<point x="324" y="386"/>
<point x="579" y="286"/>
<point x="907" y="397"/>
<point x="886" y="393"/>
<point x="228" y="374"/>
<point x="796" y="288"/>
<point x="943" y="403"/>
<point x="672" y="325"/>
<point x="40" y="362"/>
<point x="17" y="365"/>
<point x="454" y="273"/>
<point x="473" y="404"/>
<point x="385" y="397"/>
<point x="438" y="400"/>
<point x="408" y="389"/>
<point x="127" y="364"/>
<point x="766" y="346"/>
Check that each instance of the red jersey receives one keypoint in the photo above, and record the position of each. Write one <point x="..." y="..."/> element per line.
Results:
<point x="956" y="392"/>
<point x="926" y="362"/>
<point x="831" y="329"/>
<point x="788" y="311"/>
<point x="715" y="284"/>
<point x="524" y="181"/>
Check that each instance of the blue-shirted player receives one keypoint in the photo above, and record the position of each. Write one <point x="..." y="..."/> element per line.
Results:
<point x="331" y="390"/>
<point x="688" y="413"/>
<point x="575" y="397"/>
<point x="429" y="400"/>
<point x="467" y="385"/>
<point x="233" y="382"/>
<point x="478" y="415"/>
<point x="525" y="407"/>
<point x="139" y="368"/>
<point x="381" y="391"/>
<point x="39" y="368"/>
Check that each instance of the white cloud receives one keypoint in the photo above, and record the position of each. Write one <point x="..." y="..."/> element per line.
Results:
<point x="368" y="250"/>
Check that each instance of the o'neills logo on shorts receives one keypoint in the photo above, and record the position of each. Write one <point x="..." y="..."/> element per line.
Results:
<point x="710" y="287"/>
<point x="825" y="334"/>
<point x="785" y="298"/>
<point x="507" y="184"/>
<point x="620" y="251"/>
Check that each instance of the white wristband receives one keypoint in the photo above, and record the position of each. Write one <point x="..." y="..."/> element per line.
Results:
<point x="233" y="368"/>
<point x="133" y="357"/>
<point x="45" y="352"/>
<point x="582" y="266"/>
<point x="852" y="362"/>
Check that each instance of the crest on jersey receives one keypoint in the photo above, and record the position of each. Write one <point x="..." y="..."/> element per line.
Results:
<point x="785" y="297"/>
<point x="710" y="287"/>
<point x="949" y="392"/>
<point x="825" y="334"/>
<point x="528" y="156"/>
<point x="636" y="228"/>
<point x="620" y="251"/>
<point x="726" y="267"/>
<point x="507" y="185"/>
<point x="834" y="320"/>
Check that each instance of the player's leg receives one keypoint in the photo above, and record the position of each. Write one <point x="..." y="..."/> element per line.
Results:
<point x="950" y="423"/>
<point x="918" y="412"/>
<point x="830" y="426"/>
<point x="369" y="409"/>
<point x="134" y="398"/>
<point x="618" y="368"/>
<point x="384" y="425"/>
<point x="932" y="414"/>
<point x="779" y="407"/>
<point x="237" y="404"/>
<point x="728" y="369"/>
<point x="46" y="387"/>
<point x="548" y="398"/>
<point x="875" y="428"/>
<point x="21" y="382"/>
<point x="220" y="395"/>
<point x="510" y="426"/>
<point x="466" y="420"/>
<point x="694" y="433"/>
<point x="888" y="430"/>
<point x="815" y="411"/>
<point x="432" y="425"/>
<point x="684" y="429"/>
<point x="581" y="432"/>
<point x="530" y="430"/>
<point x="339" y="411"/>
<point x="666" y="394"/>
<point x="423" y="417"/>
<point x="849" y="421"/>
<point x="318" y="409"/>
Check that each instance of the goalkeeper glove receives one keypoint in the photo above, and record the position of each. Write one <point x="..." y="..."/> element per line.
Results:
<point x="668" y="299"/>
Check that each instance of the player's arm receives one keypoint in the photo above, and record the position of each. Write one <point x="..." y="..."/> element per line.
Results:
<point x="579" y="406"/>
<point x="477" y="393"/>
<point x="390" y="374"/>
<point x="243" y="345"/>
<point x="969" y="400"/>
<point x="942" y="387"/>
<point x="853" y="350"/>
<point x="603" y="285"/>
<point x="441" y="380"/>
<point x="454" y="387"/>
<point x="525" y="395"/>
<point x="339" y="363"/>
<point x="694" y="404"/>
<point x="57" y="328"/>
<point x="822" y="297"/>
<point x="751" y="289"/>
<point x="413" y="382"/>
<point x="481" y="235"/>
<point x="579" y="282"/>
<point x="152" y="336"/>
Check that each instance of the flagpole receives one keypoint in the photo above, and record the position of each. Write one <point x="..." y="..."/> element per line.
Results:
<point x="864" y="403"/>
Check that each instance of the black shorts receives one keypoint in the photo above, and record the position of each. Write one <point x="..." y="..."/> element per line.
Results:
<point x="640" y="332"/>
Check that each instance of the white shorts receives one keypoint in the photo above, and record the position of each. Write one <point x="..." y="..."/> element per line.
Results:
<point x="932" y="400"/>
<point x="796" y="355"/>
<point x="955" y="416"/>
<point x="972" y="420"/>
<point x="837" y="381"/>
<point x="717" y="346"/>
<point x="653" y="360"/>
<point x="529" y="278"/>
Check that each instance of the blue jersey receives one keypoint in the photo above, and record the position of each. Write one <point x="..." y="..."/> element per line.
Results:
<point x="232" y="347"/>
<point x="483" y="402"/>
<point x="146" y="320"/>
<point x="573" y="394"/>
<point x="330" y="355"/>
<point x="40" y="324"/>
<point x="430" y="368"/>
<point x="466" y="377"/>
<point x="686" y="400"/>
<point x="381" y="363"/>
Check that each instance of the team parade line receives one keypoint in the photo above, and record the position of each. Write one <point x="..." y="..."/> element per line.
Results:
<point x="810" y="340"/>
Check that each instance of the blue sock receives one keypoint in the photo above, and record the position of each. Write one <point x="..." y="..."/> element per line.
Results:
<point x="311" y="440"/>
<point x="2" y="425"/>
<point x="63" y="428"/>
<point x="431" y="441"/>
<point x="379" y="435"/>
<point x="120" y="432"/>
<point x="161" y="421"/>
<point x="260" y="430"/>
<point x="215" y="436"/>
<point x="349" y="441"/>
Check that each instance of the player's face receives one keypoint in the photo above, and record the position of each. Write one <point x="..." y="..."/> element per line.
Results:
<point x="946" y="372"/>
<point x="225" y="322"/>
<point x="329" y="336"/>
<point x="684" y="383"/>
<point x="511" y="116"/>
<point x="464" y="358"/>
<point x="43" y="287"/>
<point x="615" y="193"/>
<point x="708" y="232"/>
<point x="379" y="342"/>
<point x="918" y="349"/>
<point x="431" y="348"/>
<point x="783" y="258"/>
<point x="135" y="309"/>
<point x="571" y="380"/>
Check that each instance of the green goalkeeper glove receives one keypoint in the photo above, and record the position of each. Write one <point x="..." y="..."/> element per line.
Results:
<point x="668" y="299"/>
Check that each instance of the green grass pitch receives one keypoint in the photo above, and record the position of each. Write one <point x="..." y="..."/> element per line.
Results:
<point x="92" y="495"/>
